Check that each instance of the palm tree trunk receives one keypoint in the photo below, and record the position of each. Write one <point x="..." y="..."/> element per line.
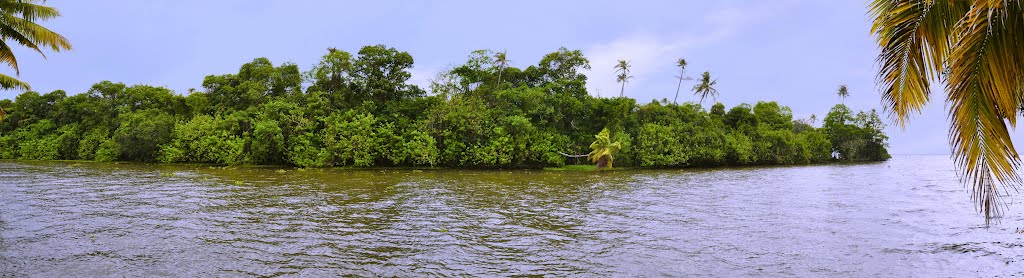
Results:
<point x="604" y="162"/>
<point x="500" y="70"/>
<point x="678" y="86"/>
<point x="623" y="90"/>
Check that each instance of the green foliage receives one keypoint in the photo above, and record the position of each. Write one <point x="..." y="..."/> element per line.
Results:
<point x="856" y="137"/>
<point x="603" y="150"/>
<point x="359" y="110"/>
<point x="350" y="139"/>
<point x="141" y="134"/>
<point x="108" y="151"/>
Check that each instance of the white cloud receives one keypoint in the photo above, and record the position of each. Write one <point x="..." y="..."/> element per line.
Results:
<point x="421" y="76"/>
<point x="729" y="21"/>
<point x="651" y="54"/>
<point x="645" y="53"/>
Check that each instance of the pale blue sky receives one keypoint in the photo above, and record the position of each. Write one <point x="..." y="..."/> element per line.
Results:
<point x="796" y="52"/>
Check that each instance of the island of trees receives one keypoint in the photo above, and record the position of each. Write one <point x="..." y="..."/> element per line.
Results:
<point x="360" y="110"/>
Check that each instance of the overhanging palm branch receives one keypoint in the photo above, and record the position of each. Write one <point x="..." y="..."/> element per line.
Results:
<point x="974" y="47"/>
<point x="18" y="24"/>
<point x="7" y="83"/>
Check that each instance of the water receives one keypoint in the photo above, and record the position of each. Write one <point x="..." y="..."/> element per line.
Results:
<point x="905" y="217"/>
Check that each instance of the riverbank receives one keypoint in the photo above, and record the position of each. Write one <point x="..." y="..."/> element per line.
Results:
<point x="566" y="168"/>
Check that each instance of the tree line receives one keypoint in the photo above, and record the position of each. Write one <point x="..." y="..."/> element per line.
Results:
<point x="358" y="109"/>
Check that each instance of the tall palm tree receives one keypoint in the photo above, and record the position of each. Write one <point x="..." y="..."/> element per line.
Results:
<point x="975" y="47"/>
<point x="603" y="149"/>
<point x="706" y="87"/>
<point x="843" y="93"/>
<point x="623" y="69"/>
<point x="502" y="61"/>
<point x="18" y="25"/>
<point x="681" y="63"/>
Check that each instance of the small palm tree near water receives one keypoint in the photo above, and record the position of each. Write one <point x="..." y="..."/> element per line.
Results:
<point x="603" y="149"/>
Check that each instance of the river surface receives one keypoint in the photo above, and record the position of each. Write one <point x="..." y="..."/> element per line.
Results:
<point x="906" y="217"/>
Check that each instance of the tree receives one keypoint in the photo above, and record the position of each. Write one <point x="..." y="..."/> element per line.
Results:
<point x="681" y="63"/>
<point x="603" y="149"/>
<point x="3" y="114"/>
<point x="706" y="87"/>
<point x="18" y="24"/>
<point x="974" y="46"/>
<point x="381" y="73"/>
<point x="502" y="60"/>
<point x="843" y="93"/>
<point x="855" y="137"/>
<point x="623" y="69"/>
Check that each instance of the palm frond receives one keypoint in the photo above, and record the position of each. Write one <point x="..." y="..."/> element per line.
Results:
<point x="35" y="33"/>
<point x="984" y="86"/>
<point x="8" y="83"/>
<point x="7" y="57"/>
<point x="915" y="37"/>
<point x="28" y="9"/>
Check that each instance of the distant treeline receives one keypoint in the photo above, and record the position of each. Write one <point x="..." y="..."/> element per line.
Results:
<point x="359" y="110"/>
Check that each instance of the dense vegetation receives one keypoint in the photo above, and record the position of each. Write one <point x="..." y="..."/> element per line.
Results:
<point x="359" y="110"/>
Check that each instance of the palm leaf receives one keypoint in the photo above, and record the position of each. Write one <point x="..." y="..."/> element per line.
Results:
<point x="36" y="33"/>
<point x="28" y="10"/>
<point x="984" y="87"/>
<point x="7" y="57"/>
<point x="7" y="83"/>
<point x="914" y="37"/>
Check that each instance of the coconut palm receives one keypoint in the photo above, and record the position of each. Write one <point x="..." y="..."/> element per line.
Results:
<point x="623" y="69"/>
<point x="975" y="47"/>
<point x="502" y="61"/>
<point x="603" y="149"/>
<point x="706" y="87"/>
<point x="681" y="63"/>
<point x="18" y="25"/>
<point x="843" y="93"/>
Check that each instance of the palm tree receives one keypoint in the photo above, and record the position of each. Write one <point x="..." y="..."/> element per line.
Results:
<point x="603" y="149"/>
<point x="975" y="47"/>
<point x="681" y="63"/>
<point x="502" y="61"/>
<point x="18" y="24"/>
<point x="623" y="69"/>
<point x="3" y="114"/>
<point x="706" y="87"/>
<point x="843" y="93"/>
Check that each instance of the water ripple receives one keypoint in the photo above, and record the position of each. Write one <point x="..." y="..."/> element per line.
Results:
<point x="905" y="217"/>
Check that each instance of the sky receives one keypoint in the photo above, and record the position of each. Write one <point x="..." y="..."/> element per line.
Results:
<point x="796" y="52"/>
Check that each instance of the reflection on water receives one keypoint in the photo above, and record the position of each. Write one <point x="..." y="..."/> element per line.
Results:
<point x="905" y="217"/>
